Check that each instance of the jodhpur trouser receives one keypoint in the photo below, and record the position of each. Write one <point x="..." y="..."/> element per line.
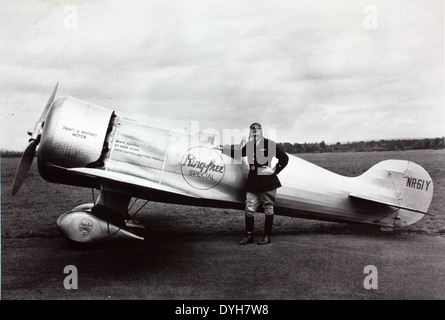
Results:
<point x="254" y="199"/>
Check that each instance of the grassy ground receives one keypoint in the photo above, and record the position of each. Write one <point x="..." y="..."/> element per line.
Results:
<point x="34" y="210"/>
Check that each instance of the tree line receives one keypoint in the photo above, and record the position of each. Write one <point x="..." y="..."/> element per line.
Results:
<point x="358" y="146"/>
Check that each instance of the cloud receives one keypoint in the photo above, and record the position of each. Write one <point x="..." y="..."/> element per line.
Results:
<point x="308" y="69"/>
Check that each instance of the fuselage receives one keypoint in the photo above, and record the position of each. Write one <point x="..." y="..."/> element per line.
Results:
<point x="80" y="134"/>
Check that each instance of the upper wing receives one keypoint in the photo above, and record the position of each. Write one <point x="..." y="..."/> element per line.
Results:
<point x="128" y="179"/>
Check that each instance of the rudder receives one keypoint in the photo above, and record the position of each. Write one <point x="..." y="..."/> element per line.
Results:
<point x="399" y="183"/>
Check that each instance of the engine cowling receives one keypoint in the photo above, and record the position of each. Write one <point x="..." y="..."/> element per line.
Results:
<point x="74" y="135"/>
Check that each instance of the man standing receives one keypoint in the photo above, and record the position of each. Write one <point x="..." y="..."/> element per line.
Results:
<point x="262" y="180"/>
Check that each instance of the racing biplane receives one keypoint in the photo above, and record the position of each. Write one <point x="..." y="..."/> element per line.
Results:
<point x="87" y="145"/>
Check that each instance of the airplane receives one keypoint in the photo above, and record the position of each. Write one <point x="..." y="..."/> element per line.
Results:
<point x="87" y="145"/>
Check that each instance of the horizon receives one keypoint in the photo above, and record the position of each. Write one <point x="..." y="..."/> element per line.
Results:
<point x="315" y="142"/>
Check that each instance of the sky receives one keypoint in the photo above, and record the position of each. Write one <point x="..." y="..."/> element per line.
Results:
<point x="309" y="71"/>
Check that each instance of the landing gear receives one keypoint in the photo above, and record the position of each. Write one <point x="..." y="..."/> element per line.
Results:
<point x="107" y="219"/>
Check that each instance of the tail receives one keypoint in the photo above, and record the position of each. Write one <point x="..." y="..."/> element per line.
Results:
<point x="401" y="184"/>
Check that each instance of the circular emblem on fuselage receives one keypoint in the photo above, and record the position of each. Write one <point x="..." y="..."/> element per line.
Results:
<point x="202" y="167"/>
<point x="85" y="225"/>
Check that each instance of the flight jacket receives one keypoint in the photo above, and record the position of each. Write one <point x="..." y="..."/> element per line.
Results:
<point x="259" y="155"/>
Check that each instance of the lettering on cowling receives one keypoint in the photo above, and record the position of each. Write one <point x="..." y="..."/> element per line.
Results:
<point x="78" y="133"/>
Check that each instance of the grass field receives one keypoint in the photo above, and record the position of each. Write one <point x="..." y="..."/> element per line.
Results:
<point x="35" y="209"/>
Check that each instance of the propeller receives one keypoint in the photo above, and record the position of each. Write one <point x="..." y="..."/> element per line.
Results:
<point x="28" y="155"/>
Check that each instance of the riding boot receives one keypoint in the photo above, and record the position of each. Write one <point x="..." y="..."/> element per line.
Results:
<point x="249" y="231"/>
<point x="268" y="222"/>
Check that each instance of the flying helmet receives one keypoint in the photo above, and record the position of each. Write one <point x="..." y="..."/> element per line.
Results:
<point x="255" y="126"/>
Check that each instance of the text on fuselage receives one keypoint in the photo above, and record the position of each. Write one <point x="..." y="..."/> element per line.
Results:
<point x="418" y="184"/>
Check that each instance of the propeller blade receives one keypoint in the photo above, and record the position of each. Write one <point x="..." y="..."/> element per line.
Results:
<point x="48" y="104"/>
<point x="28" y="155"/>
<point x="24" y="166"/>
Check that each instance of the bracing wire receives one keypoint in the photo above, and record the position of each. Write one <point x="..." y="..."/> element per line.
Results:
<point x="133" y="204"/>
<point x="139" y="209"/>
<point x="133" y="215"/>
<point x="387" y="215"/>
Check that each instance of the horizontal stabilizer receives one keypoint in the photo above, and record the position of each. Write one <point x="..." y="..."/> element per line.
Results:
<point x="128" y="179"/>
<point x="385" y="201"/>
